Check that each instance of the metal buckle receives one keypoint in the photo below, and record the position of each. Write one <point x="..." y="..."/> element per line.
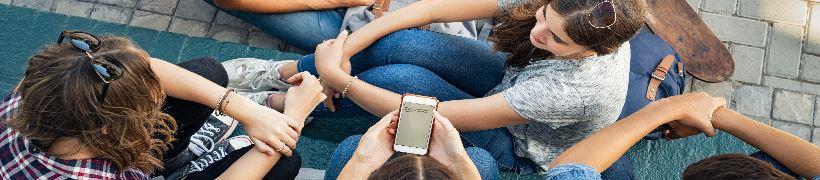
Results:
<point x="661" y="78"/>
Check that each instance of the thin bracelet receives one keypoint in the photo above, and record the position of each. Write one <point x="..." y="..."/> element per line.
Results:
<point x="347" y="87"/>
<point x="227" y="101"/>
<point x="220" y="105"/>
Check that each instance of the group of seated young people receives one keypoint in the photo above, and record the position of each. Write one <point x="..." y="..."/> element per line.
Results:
<point x="540" y="94"/>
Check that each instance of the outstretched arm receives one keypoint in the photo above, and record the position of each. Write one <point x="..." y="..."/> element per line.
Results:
<point x="691" y="112"/>
<point x="286" y="6"/>
<point x="800" y="156"/>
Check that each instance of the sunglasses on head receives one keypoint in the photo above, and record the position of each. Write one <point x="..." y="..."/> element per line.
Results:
<point x="107" y="68"/>
<point x="602" y="15"/>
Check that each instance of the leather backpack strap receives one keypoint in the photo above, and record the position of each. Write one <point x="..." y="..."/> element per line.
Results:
<point x="380" y="7"/>
<point x="658" y="76"/>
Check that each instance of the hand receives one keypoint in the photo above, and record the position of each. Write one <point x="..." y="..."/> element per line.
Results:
<point x="445" y="144"/>
<point x="304" y="97"/>
<point x="693" y="114"/>
<point x="351" y="3"/>
<point x="376" y="145"/>
<point x="330" y="57"/>
<point x="272" y="131"/>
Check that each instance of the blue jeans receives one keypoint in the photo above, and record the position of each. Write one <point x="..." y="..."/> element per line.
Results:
<point x="304" y="29"/>
<point x="443" y="66"/>
<point x="482" y="159"/>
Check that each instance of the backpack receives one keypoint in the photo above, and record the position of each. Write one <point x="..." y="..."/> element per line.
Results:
<point x="656" y="72"/>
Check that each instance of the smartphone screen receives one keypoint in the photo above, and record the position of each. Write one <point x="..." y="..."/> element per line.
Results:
<point x="415" y="123"/>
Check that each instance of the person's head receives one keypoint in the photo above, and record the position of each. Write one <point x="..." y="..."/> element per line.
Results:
<point x="412" y="167"/>
<point x="59" y="100"/>
<point x="562" y="28"/>
<point x="732" y="166"/>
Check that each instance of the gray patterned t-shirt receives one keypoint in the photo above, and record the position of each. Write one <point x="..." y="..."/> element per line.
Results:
<point x="564" y="101"/>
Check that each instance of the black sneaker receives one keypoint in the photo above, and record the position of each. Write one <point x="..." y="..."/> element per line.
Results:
<point x="219" y="151"/>
<point x="215" y="130"/>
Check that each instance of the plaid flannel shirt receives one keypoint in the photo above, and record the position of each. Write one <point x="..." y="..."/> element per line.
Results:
<point x="20" y="160"/>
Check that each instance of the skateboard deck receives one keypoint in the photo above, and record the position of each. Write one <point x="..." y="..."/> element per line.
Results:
<point x="705" y="56"/>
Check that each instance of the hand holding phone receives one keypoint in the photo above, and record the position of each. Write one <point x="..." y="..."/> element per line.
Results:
<point x="415" y="124"/>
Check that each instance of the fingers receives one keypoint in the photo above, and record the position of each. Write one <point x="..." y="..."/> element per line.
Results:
<point x="296" y="79"/>
<point x="294" y="125"/>
<point x="328" y="102"/>
<point x="280" y="146"/>
<point x="262" y="146"/>
<point x="444" y="121"/>
<point x="340" y="40"/>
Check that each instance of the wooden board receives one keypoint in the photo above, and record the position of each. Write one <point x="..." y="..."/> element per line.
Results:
<point x="705" y="56"/>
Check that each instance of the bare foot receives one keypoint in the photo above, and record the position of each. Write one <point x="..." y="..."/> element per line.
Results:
<point x="277" y="102"/>
<point x="288" y="70"/>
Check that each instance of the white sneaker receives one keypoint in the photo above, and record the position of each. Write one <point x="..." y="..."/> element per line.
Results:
<point x="255" y="75"/>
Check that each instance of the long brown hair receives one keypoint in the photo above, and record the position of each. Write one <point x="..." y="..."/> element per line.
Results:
<point x="412" y="167"/>
<point x="59" y="100"/>
<point x="512" y="34"/>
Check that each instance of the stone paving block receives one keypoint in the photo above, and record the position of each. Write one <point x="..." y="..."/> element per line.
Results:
<point x="310" y="174"/>
<point x="811" y="68"/>
<point x="694" y="3"/>
<point x="91" y="1"/>
<point x="228" y="34"/>
<point x="748" y="63"/>
<point x="42" y="5"/>
<point x="722" y="89"/>
<point x="121" y="3"/>
<point x="799" y="130"/>
<point x="736" y="29"/>
<point x="263" y="40"/>
<point x="816" y="138"/>
<point x="158" y="6"/>
<point x="73" y="8"/>
<point x="789" y="11"/>
<point x="793" y="107"/>
<point x="150" y="20"/>
<point x="195" y="10"/>
<point x="226" y="19"/>
<point x="817" y="112"/>
<point x="189" y="27"/>
<point x="110" y="13"/>
<point x="793" y="85"/>
<point x="754" y="100"/>
<point x="785" y="47"/>
<point x="813" y="39"/>
<point x="720" y="6"/>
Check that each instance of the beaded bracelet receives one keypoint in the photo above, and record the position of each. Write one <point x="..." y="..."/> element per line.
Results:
<point x="220" y="106"/>
<point x="347" y="87"/>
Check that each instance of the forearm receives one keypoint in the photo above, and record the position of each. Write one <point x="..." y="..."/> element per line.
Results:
<point x="798" y="155"/>
<point x="275" y="6"/>
<point x="419" y="14"/>
<point x="355" y="169"/>
<point x="183" y="84"/>
<point x="253" y="165"/>
<point x="617" y="138"/>
<point x="375" y="100"/>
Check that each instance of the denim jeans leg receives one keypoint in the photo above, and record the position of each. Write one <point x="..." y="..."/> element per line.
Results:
<point x="468" y="64"/>
<point x="484" y="162"/>
<point x="398" y="78"/>
<point x="623" y="169"/>
<point x="499" y="143"/>
<point x="341" y="155"/>
<point x="303" y="29"/>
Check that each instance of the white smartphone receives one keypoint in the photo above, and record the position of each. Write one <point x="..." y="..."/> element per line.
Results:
<point x="415" y="124"/>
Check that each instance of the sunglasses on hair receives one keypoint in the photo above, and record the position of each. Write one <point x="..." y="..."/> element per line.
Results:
<point x="107" y="68"/>
<point x="602" y="15"/>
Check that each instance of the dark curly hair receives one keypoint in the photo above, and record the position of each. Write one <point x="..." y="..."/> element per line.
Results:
<point x="512" y="34"/>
